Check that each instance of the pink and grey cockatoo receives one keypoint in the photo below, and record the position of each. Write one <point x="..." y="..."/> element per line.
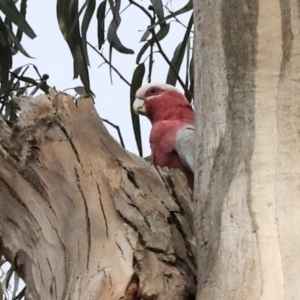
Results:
<point x="172" y="133"/>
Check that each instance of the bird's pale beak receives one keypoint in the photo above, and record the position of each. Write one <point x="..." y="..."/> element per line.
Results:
<point x="139" y="106"/>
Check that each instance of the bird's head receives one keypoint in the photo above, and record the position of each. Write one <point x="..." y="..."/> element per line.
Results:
<point x="149" y="92"/>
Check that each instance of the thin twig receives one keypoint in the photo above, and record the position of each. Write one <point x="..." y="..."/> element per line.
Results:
<point x="106" y="61"/>
<point x="142" y="8"/>
<point x="151" y="52"/>
<point x="41" y="85"/>
<point x="155" y="39"/>
<point x="168" y="61"/>
<point x="175" y="17"/>
<point x="124" y="9"/>
<point x="118" y="130"/>
<point x="150" y="62"/>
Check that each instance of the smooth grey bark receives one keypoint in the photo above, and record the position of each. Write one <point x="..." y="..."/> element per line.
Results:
<point x="247" y="149"/>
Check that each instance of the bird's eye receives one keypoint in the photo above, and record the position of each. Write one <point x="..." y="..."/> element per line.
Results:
<point x="152" y="91"/>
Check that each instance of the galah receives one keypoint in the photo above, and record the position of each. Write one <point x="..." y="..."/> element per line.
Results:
<point x="172" y="133"/>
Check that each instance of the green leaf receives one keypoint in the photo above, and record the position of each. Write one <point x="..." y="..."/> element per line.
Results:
<point x="36" y="88"/>
<point x="16" y="284"/>
<point x="20" y="91"/>
<point x="8" y="23"/>
<point x="5" y="57"/>
<point x="80" y="90"/>
<point x="178" y="55"/>
<point x="158" y="8"/>
<point x="27" y="79"/>
<point x="161" y="34"/>
<point x="187" y="66"/>
<point x="189" y="77"/>
<point x="11" y="116"/>
<point x="186" y="8"/>
<point x="21" y="295"/>
<point x="7" y="277"/>
<point x="112" y="36"/>
<point x="191" y="70"/>
<point x="176" y="63"/>
<point x="115" y="8"/>
<point x="141" y="53"/>
<point x="23" y="9"/>
<point x="110" y="64"/>
<point x="163" y="31"/>
<point x="10" y="11"/>
<point x="11" y="85"/>
<point x="85" y="25"/>
<point x="17" y="45"/>
<point x="36" y="70"/>
<point x="191" y="73"/>
<point x="101" y="25"/>
<point x="145" y="35"/>
<point x="136" y="82"/>
<point x="16" y="72"/>
<point x="68" y="20"/>
<point x="13" y="76"/>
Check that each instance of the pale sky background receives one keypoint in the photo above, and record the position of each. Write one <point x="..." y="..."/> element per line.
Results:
<point x="53" y="57"/>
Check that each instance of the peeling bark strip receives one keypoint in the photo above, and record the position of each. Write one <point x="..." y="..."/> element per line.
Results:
<point x="265" y="157"/>
<point x="247" y="145"/>
<point x="80" y="218"/>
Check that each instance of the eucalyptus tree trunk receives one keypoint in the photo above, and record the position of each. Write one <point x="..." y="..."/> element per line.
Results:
<point x="247" y="147"/>
<point x="81" y="218"/>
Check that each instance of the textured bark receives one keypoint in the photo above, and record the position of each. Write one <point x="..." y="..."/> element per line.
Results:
<point x="80" y="218"/>
<point x="247" y="148"/>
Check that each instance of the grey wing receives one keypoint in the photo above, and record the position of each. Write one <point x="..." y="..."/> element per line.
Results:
<point x="184" y="146"/>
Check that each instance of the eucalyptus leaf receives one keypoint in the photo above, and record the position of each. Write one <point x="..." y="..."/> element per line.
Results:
<point x="178" y="55"/>
<point x="186" y="8"/>
<point x="161" y="34"/>
<point x="136" y="82"/>
<point x="112" y="35"/>
<point x="80" y="90"/>
<point x="23" y="9"/>
<point x="142" y="51"/>
<point x="11" y="83"/>
<point x="16" y="284"/>
<point x="145" y="35"/>
<point x="85" y="25"/>
<point x="5" y="57"/>
<point x="158" y="8"/>
<point x="10" y="11"/>
<point x="101" y="23"/>
<point x="16" y="42"/>
<point x="188" y="46"/>
<point x="68" y="20"/>
<point x="113" y="38"/>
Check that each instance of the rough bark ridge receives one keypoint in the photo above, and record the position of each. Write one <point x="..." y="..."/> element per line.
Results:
<point x="80" y="218"/>
<point x="247" y="144"/>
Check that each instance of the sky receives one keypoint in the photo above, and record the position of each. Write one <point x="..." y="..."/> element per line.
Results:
<point x="53" y="57"/>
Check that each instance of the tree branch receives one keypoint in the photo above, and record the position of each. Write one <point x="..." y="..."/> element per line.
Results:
<point x="155" y="39"/>
<point x="118" y="130"/>
<point x="186" y="91"/>
<point x="141" y="8"/>
<point x="106" y="61"/>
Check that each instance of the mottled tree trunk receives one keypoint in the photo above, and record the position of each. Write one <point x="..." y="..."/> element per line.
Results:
<point x="247" y="146"/>
<point x="80" y="218"/>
